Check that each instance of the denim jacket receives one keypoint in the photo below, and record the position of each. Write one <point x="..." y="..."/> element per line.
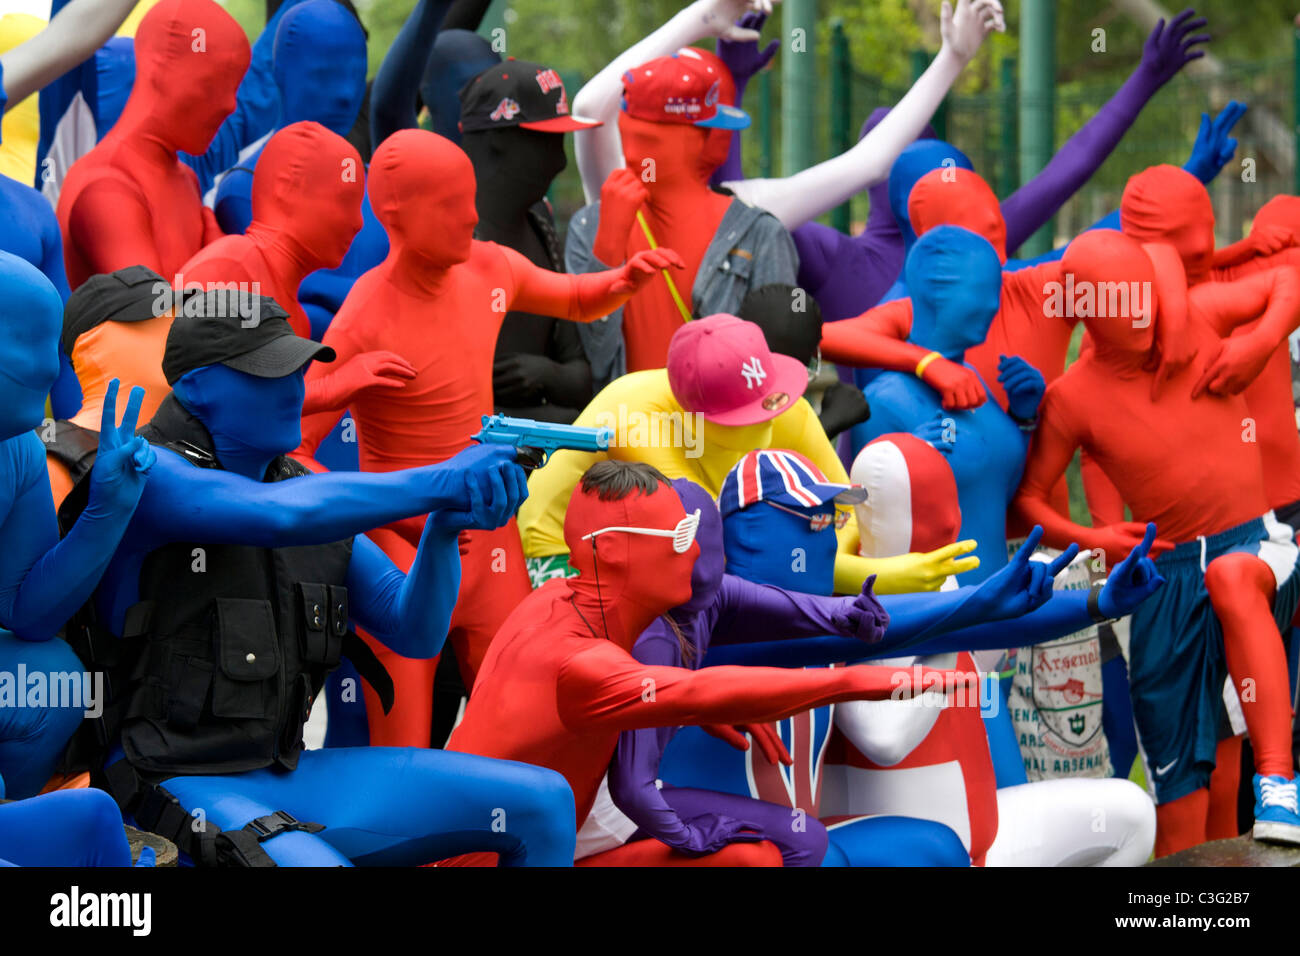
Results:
<point x="750" y="249"/>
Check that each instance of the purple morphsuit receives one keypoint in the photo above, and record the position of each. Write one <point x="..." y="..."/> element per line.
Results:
<point x="724" y="609"/>
<point x="850" y="274"/>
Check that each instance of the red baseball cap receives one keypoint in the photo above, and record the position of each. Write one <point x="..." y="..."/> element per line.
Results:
<point x="721" y="367"/>
<point x="682" y="88"/>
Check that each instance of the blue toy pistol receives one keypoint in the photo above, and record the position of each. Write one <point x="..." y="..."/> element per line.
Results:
<point x="537" y="440"/>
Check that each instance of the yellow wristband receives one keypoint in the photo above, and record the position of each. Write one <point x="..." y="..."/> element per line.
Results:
<point x="924" y="363"/>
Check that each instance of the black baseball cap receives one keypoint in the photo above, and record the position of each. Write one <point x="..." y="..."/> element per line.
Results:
<point x="231" y="327"/>
<point x="132" y="294"/>
<point x="518" y="93"/>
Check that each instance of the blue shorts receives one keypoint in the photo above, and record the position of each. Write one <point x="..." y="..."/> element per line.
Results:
<point x="1177" y="665"/>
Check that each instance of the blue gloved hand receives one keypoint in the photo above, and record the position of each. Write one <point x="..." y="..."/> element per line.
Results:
<point x="1132" y="581"/>
<point x="939" y="432"/>
<point x="492" y="487"/>
<point x="122" y="465"/>
<point x="1023" y="384"/>
<point x="147" y="857"/>
<point x="1214" y="148"/>
<point x="1020" y="587"/>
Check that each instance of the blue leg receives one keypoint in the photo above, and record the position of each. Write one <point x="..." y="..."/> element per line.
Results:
<point x="1117" y="716"/>
<point x="895" y="841"/>
<point x="64" y="828"/>
<point x="390" y="806"/>
<point x="33" y="737"/>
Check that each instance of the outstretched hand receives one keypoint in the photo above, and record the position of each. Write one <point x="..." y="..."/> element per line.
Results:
<point x="1169" y="49"/>
<point x="1023" y="384"/>
<point x="1214" y="147"/>
<point x="1023" y="585"/>
<point x="122" y="465"/>
<point x="643" y="267"/>
<point x="487" y="488"/>
<point x="1132" y="581"/>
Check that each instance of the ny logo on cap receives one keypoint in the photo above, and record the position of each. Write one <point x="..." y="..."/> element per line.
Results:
<point x="753" y="372"/>
<point x="507" y="109"/>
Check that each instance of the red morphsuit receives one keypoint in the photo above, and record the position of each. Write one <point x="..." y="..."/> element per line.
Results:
<point x="130" y="201"/>
<point x="307" y="194"/>
<point x="1169" y="205"/>
<point x="1177" y="458"/>
<point x="438" y="301"/>
<point x="559" y="683"/>
<point x="667" y="180"/>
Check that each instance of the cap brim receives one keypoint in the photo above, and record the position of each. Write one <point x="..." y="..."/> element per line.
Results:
<point x="789" y="378"/>
<point x="562" y="124"/>
<point x="726" y="117"/>
<point x="280" y="357"/>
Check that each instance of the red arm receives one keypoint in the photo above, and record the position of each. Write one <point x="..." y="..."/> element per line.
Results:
<point x="605" y="688"/>
<point x="878" y="339"/>
<point x="587" y="297"/>
<point x="317" y="421"/>
<point x="1275" y="292"/>
<point x="1049" y="456"/>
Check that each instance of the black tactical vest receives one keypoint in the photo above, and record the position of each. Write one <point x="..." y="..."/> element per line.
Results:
<point x="229" y="644"/>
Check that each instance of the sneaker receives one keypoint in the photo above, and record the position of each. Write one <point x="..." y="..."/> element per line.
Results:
<point x="1277" y="810"/>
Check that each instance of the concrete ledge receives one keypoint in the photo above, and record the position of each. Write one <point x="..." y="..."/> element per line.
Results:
<point x="1241" y="851"/>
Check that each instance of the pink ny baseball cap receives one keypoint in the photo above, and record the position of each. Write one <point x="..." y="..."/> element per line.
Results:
<point x="721" y="367"/>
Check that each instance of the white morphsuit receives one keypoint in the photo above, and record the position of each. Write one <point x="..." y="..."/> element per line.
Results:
<point x="804" y="196"/>
<point x="1067" y="822"/>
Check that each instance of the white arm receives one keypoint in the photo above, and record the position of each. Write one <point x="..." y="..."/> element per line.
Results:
<point x="599" y="151"/>
<point x="804" y="196"/>
<point x="71" y="38"/>
<point x="886" y="731"/>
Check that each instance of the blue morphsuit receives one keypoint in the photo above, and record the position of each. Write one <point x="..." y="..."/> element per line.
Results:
<point x="392" y="98"/>
<point x="432" y="804"/>
<point x="956" y="283"/>
<point x="31" y="232"/>
<point x="457" y="57"/>
<point x="43" y="580"/>
<point x="319" y="69"/>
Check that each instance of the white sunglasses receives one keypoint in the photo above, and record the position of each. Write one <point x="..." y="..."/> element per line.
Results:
<point x="682" y="535"/>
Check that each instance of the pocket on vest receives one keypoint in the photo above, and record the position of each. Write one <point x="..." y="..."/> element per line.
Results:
<point x="248" y="656"/>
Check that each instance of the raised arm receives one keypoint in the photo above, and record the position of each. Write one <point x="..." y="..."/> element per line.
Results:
<point x="599" y="150"/>
<point x="1167" y="50"/>
<point x="397" y="83"/>
<point x="804" y="196"/>
<point x="604" y="688"/>
<point x="72" y="37"/>
<point x="43" y="580"/>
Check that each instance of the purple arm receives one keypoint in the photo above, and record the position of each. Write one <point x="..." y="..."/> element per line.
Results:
<point x="1166" y="52"/>
<point x="751" y="613"/>
<point x="635" y="767"/>
<point x="743" y="59"/>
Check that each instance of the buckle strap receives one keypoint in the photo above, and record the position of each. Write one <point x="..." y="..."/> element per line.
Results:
<point x="281" y="821"/>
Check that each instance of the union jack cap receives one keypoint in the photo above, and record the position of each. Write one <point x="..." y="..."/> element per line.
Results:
<point x="786" y="478"/>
